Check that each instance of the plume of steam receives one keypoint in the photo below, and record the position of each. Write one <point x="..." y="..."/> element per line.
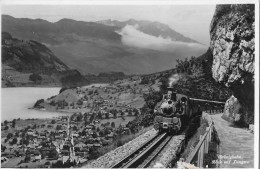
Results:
<point x="173" y="79"/>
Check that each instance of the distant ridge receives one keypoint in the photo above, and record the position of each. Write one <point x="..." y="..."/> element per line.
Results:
<point x="95" y="47"/>
<point x="153" y="28"/>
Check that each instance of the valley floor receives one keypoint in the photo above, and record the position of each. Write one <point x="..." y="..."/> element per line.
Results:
<point x="236" y="149"/>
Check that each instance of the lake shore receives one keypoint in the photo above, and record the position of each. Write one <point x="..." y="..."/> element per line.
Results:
<point x="16" y="101"/>
<point x="25" y="97"/>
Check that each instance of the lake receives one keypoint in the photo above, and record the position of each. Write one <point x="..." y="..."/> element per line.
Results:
<point x="16" y="101"/>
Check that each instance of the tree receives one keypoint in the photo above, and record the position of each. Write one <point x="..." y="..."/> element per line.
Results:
<point x="34" y="126"/>
<point x="94" y="128"/>
<point x="91" y="118"/>
<point x="130" y="112"/>
<point x="119" y="143"/>
<point x="113" y="124"/>
<point x="101" y="133"/>
<point x="24" y="141"/>
<point x="16" y="134"/>
<point x="107" y="115"/>
<point x="135" y="112"/>
<point x="53" y="154"/>
<point x="75" y="128"/>
<point x="35" y="78"/>
<point x="94" y="154"/>
<point x="3" y="147"/>
<point x="13" y="123"/>
<point x="99" y="115"/>
<point x="79" y="102"/>
<point x="58" y="127"/>
<point x="47" y="163"/>
<point x="106" y="131"/>
<point x="9" y="135"/>
<point x="27" y="158"/>
<point x="79" y="117"/>
<point x="58" y="164"/>
<point x="115" y="114"/>
<point x="90" y="92"/>
<point x="5" y="122"/>
<point x="94" y="135"/>
<point x="96" y="92"/>
<point x="14" y="141"/>
<point x="53" y="121"/>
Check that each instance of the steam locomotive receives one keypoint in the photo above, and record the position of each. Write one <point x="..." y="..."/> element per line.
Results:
<point x="175" y="110"/>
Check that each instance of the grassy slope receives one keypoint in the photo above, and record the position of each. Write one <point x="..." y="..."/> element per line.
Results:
<point x="124" y="95"/>
<point x="22" y="79"/>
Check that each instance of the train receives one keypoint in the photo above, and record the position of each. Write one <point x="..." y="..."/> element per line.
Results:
<point x="175" y="111"/>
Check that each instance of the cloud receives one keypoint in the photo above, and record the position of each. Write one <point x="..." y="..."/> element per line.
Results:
<point x="131" y="36"/>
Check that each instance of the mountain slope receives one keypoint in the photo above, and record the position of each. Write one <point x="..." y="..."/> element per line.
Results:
<point x="192" y="77"/>
<point x="29" y="56"/>
<point x="22" y="59"/>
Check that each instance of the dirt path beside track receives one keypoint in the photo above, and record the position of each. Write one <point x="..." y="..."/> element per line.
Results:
<point x="236" y="149"/>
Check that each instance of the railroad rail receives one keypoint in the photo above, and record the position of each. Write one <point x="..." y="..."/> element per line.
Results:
<point x="143" y="156"/>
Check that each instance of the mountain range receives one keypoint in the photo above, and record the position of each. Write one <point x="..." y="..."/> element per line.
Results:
<point x="132" y="47"/>
<point x="156" y="29"/>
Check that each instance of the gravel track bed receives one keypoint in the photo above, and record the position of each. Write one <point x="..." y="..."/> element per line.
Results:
<point x="169" y="152"/>
<point x="119" y="153"/>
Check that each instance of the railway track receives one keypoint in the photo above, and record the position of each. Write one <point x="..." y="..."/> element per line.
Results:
<point x="142" y="157"/>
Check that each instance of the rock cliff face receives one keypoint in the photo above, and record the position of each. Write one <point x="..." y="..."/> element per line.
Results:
<point x="232" y="110"/>
<point x="232" y="33"/>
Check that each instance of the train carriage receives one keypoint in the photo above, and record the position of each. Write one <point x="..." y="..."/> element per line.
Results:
<point x="176" y="110"/>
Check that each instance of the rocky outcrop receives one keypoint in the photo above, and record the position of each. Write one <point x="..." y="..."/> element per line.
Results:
<point x="232" y="33"/>
<point x="232" y="111"/>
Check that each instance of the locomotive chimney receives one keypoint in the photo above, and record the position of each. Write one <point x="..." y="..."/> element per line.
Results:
<point x="173" y="95"/>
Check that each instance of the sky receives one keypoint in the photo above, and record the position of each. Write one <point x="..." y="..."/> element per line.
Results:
<point x="190" y="20"/>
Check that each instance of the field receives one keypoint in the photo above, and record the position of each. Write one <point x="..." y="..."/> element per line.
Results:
<point x="22" y="79"/>
<point x="20" y="124"/>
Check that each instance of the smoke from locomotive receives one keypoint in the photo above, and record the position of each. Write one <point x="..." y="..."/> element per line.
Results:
<point x="173" y="79"/>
